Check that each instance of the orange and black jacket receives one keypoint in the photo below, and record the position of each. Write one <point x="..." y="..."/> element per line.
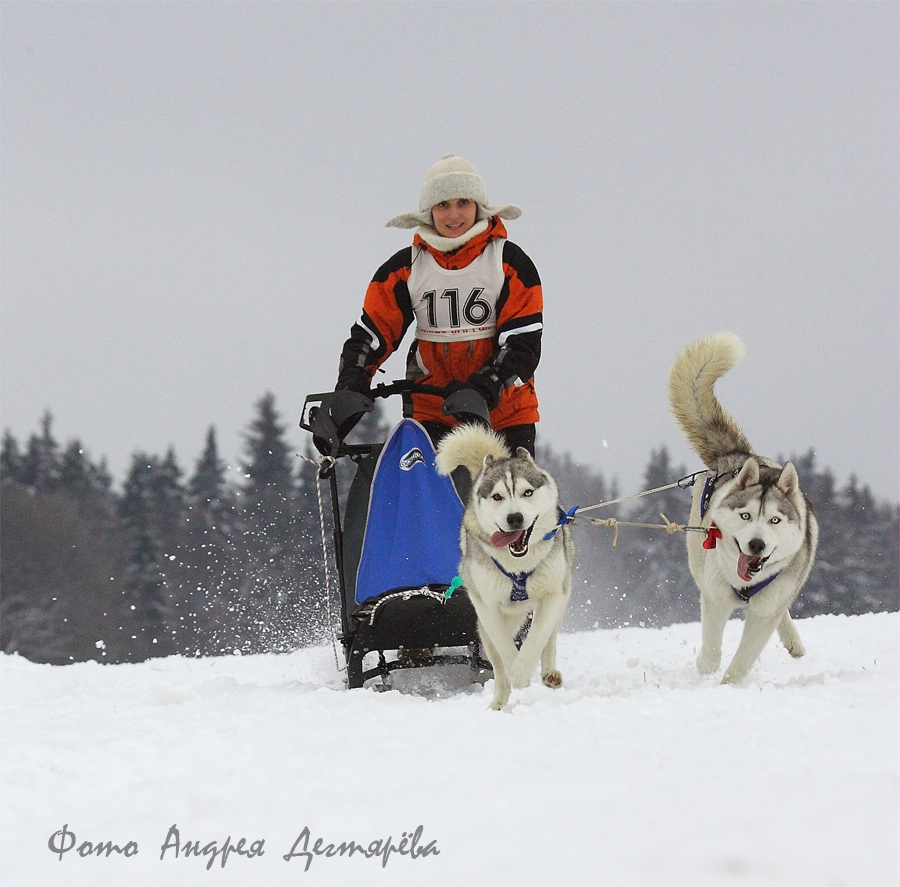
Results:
<point x="508" y="359"/>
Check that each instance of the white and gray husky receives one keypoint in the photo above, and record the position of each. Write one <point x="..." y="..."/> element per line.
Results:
<point x="761" y="532"/>
<point x="517" y="555"/>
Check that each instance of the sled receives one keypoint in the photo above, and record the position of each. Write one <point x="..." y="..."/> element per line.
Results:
<point x="396" y="541"/>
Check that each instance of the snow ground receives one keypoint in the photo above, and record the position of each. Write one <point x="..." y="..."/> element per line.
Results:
<point x="637" y="772"/>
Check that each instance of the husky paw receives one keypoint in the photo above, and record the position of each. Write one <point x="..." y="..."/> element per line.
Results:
<point x="520" y="676"/>
<point x="499" y="700"/>
<point x="796" y="649"/>
<point x="733" y="677"/>
<point x="552" y="679"/>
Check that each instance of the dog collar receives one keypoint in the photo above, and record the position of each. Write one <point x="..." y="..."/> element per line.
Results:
<point x="710" y="487"/>
<point x="565" y="517"/>
<point x="748" y="591"/>
<point x="518" y="593"/>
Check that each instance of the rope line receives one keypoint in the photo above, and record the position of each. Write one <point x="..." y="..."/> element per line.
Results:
<point x="685" y="483"/>
<point x="669" y="526"/>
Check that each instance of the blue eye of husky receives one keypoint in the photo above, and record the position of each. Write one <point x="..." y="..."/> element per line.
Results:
<point x="775" y="520"/>
<point x="745" y="515"/>
<point x="528" y="493"/>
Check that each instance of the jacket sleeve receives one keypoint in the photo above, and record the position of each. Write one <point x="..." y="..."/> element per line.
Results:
<point x="386" y="316"/>
<point x="519" y="321"/>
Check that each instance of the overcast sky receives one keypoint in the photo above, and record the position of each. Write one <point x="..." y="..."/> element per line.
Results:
<point x="194" y="198"/>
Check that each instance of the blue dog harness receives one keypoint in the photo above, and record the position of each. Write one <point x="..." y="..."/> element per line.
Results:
<point x="519" y="592"/>
<point x="565" y="517"/>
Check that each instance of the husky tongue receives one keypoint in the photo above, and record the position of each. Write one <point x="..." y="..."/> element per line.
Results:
<point x="501" y="539"/>
<point x="747" y="566"/>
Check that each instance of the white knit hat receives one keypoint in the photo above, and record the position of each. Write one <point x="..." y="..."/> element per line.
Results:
<point x="451" y="178"/>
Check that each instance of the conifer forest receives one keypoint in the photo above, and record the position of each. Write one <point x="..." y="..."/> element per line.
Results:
<point x="197" y="563"/>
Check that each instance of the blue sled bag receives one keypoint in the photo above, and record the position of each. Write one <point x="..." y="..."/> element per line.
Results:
<point x="412" y="524"/>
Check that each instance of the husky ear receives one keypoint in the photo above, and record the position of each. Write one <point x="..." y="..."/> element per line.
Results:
<point x="788" y="482"/>
<point x="748" y="475"/>
<point x="522" y="453"/>
<point x="488" y="460"/>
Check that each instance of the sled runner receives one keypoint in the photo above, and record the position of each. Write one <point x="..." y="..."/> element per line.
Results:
<point x="396" y="541"/>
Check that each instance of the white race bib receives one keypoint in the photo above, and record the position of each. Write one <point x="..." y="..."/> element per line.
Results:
<point x="457" y="305"/>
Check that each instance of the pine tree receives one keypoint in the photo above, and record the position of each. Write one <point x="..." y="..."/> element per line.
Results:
<point x="40" y="465"/>
<point x="151" y="515"/>
<point x="74" y="475"/>
<point x="88" y="485"/>
<point x="271" y="594"/>
<point x="11" y="460"/>
<point x="268" y="466"/>
<point x="169" y="499"/>
<point x="211" y="499"/>
<point x="203" y="578"/>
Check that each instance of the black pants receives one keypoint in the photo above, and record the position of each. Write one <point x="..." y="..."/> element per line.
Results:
<point x="515" y="436"/>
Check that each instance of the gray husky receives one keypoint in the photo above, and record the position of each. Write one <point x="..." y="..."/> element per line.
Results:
<point x="761" y="532"/>
<point x="517" y="555"/>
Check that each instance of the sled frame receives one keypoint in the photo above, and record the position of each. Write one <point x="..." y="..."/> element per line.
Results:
<point x="357" y="638"/>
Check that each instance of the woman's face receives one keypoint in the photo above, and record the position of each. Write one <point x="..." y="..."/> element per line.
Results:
<point x="452" y="218"/>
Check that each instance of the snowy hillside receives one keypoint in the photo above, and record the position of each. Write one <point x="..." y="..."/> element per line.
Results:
<point x="637" y="772"/>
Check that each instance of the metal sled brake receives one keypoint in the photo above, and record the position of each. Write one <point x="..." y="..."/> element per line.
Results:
<point x="396" y="543"/>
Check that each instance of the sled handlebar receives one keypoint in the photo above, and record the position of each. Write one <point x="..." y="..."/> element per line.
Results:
<point x="404" y="386"/>
<point x="330" y="417"/>
<point x="463" y="404"/>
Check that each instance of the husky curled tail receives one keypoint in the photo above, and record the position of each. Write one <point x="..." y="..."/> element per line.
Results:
<point x="708" y="428"/>
<point x="517" y="555"/>
<point x="469" y="450"/>
<point x="761" y="532"/>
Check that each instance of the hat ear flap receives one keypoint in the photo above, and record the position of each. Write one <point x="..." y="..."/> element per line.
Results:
<point x="409" y="220"/>
<point x="508" y="211"/>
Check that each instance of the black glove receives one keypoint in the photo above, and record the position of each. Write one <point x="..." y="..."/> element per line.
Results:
<point x="354" y="379"/>
<point x="466" y="403"/>
<point x="488" y="385"/>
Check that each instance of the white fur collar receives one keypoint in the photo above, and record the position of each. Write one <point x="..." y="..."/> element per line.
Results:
<point x="448" y="244"/>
